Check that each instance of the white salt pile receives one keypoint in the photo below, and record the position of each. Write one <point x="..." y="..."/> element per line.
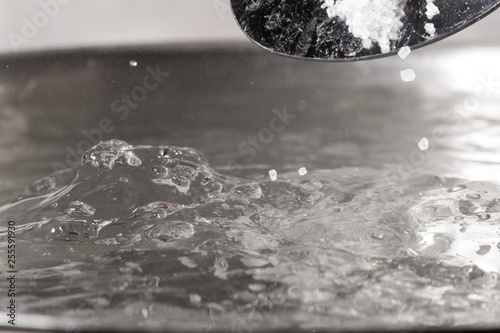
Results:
<point x="373" y="21"/>
<point x="302" y="171"/>
<point x="273" y="174"/>
<point x="404" y="52"/>
<point x="408" y="75"/>
<point x="423" y="144"/>
<point x="376" y="21"/>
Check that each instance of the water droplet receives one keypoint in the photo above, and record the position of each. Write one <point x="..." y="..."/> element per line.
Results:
<point x="132" y="159"/>
<point x="80" y="208"/>
<point x="164" y="152"/>
<point x="474" y="196"/>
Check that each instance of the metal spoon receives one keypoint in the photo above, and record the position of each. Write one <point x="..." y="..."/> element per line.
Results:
<point x="302" y="28"/>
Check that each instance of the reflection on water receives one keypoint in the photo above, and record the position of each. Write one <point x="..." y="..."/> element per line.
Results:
<point x="153" y="236"/>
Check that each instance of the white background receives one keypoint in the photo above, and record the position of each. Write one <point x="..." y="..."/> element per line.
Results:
<point x="82" y="23"/>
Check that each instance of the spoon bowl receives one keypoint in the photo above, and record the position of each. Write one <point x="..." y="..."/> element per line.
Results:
<point x="328" y="30"/>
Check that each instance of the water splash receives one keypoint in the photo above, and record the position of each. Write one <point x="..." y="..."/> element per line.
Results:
<point x="152" y="231"/>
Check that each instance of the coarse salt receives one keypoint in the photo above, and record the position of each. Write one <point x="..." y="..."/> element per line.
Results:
<point x="302" y="171"/>
<point x="408" y="75"/>
<point x="423" y="144"/>
<point x="273" y="174"/>
<point x="404" y="52"/>
<point x="373" y="21"/>
<point x="431" y="9"/>
<point x="430" y="29"/>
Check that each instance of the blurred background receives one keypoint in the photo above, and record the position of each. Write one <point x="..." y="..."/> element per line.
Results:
<point x="49" y="24"/>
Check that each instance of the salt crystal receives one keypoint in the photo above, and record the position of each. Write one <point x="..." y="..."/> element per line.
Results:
<point x="302" y="171"/>
<point x="133" y="63"/>
<point x="273" y="174"/>
<point x="408" y="75"/>
<point x="431" y="9"/>
<point x="430" y="29"/>
<point x="404" y="52"/>
<point x="423" y="144"/>
<point x="194" y="298"/>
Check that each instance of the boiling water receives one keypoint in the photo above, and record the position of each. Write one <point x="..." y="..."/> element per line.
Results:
<point x="153" y="237"/>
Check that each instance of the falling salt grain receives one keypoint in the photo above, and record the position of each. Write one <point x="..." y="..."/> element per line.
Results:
<point x="273" y="174"/>
<point x="133" y="63"/>
<point x="423" y="144"/>
<point x="408" y="75"/>
<point x="194" y="298"/>
<point x="404" y="52"/>
<point x="302" y="171"/>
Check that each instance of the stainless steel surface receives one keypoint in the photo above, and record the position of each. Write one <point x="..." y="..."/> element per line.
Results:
<point x="303" y="29"/>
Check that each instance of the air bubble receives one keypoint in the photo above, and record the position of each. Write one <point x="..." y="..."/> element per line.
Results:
<point x="171" y="231"/>
<point x="378" y="235"/>
<point x="249" y="191"/>
<point x="483" y="250"/>
<point x="457" y="188"/>
<point x="159" y="172"/>
<point x="484" y="216"/>
<point x="80" y="208"/>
